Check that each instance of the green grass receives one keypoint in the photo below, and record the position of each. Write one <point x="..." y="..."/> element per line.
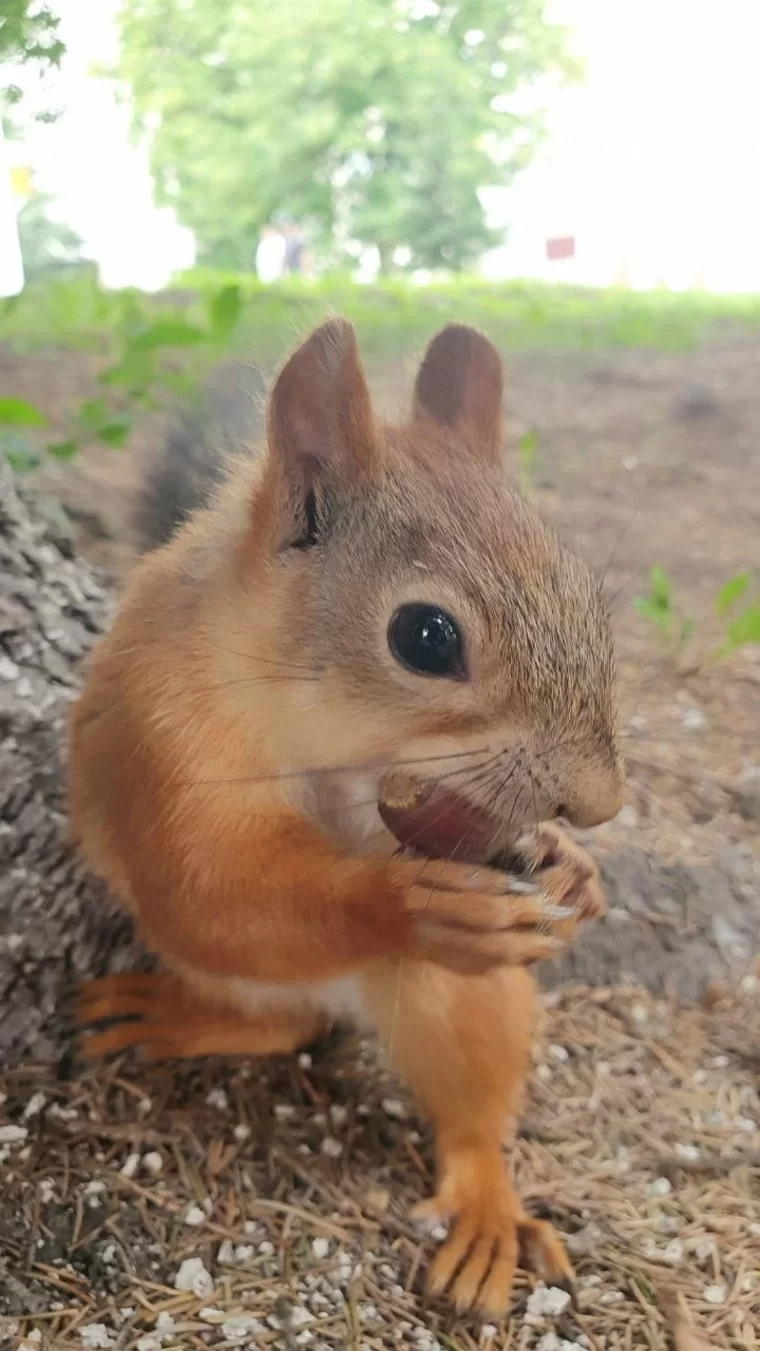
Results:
<point x="393" y="317"/>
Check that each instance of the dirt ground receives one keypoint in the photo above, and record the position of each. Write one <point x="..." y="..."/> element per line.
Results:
<point x="643" y="1137"/>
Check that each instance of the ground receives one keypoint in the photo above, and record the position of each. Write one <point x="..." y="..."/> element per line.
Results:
<point x="643" y="1135"/>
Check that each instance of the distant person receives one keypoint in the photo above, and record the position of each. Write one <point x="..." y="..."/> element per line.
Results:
<point x="295" y="245"/>
<point x="270" y="254"/>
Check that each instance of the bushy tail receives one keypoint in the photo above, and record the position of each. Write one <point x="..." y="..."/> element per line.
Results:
<point x="193" y="460"/>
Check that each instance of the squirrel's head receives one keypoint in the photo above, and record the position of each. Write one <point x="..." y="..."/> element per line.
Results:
<point x="412" y="611"/>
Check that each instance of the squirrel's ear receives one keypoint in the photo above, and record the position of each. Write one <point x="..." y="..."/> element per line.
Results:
<point x="460" y="385"/>
<point x="320" y="423"/>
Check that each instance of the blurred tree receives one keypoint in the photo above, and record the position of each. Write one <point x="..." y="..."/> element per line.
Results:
<point x="47" y="245"/>
<point x="29" y="35"/>
<point x="370" y="120"/>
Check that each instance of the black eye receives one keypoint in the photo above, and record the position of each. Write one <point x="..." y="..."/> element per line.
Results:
<point x="427" y="641"/>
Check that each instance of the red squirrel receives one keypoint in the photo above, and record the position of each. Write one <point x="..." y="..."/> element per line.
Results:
<point x="320" y="755"/>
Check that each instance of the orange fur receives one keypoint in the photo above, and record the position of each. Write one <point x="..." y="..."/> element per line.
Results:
<point x="236" y="727"/>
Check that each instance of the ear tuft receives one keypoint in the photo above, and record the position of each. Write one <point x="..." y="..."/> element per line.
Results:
<point x="460" y="385"/>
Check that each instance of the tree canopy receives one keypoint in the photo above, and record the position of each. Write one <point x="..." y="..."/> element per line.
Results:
<point x="29" y="34"/>
<point x="369" y="120"/>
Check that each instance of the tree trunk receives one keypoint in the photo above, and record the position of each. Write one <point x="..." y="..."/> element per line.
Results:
<point x="56" y="924"/>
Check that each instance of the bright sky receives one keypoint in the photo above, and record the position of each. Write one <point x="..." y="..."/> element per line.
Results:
<point x="654" y="163"/>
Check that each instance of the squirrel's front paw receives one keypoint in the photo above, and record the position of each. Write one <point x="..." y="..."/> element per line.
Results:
<point x="471" y="919"/>
<point x="566" y="873"/>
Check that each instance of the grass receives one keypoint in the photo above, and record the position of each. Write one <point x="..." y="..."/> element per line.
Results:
<point x="393" y="317"/>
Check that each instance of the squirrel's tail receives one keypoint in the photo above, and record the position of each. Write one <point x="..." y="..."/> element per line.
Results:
<point x="183" y="476"/>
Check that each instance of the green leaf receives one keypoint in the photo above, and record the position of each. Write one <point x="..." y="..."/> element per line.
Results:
<point x="135" y="372"/>
<point x="115" y="432"/>
<point x="63" y="450"/>
<point x="745" y="629"/>
<point x="168" y="333"/>
<point x="732" y="591"/>
<point x="19" y="413"/>
<point x="661" y="593"/>
<point x="647" y="608"/>
<point x="224" y="311"/>
<point x="528" y="444"/>
<point x="93" y="413"/>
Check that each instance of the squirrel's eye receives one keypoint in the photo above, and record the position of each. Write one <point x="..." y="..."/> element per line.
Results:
<point x="426" y="640"/>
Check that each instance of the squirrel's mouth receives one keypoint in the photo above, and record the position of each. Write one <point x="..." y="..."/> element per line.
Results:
<point x="437" y="823"/>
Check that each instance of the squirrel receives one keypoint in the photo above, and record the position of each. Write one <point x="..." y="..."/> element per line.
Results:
<point x="320" y="758"/>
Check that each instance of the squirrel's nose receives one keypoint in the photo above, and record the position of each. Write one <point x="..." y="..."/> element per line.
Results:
<point x="597" y="796"/>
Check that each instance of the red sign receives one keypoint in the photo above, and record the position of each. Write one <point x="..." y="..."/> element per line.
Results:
<point x="557" y="249"/>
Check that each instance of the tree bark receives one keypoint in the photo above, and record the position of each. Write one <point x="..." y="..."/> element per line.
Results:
<point x="672" y="927"/>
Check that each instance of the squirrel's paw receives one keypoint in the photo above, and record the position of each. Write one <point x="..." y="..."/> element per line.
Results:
<point x="157" y="1016"/>
<point x="471" y="919"/>
<point x="490" y="1236"/>
<point x="566" y="873"/>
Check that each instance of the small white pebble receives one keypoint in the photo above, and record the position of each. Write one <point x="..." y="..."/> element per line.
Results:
<point x="749" y="984"/>
<point x="559" y="1053"/>
<point x="212" y="1315"/>
<point x="226" y="1254"/>
<point x="705" y="1249"/>
<point x="95" y="1187"/>
<point x="218" y="1098"/>
<point x="320" y="1248"/>
<point x="694" y="719"/>
<point x="148" y="1343"/>
<point x="689" y="1153"/>
<point x="145" y="1106"/>
<point x="284" y="1112"/>
<point x="194" y="1216"/>
<point x="700" y="1076"/>
<point x="266" y="1248"/>
<point x="153" y="1163"/>
<point x="194" y="1278"/>
<point x="109" y="1254"/>
<point x="394" y="1108"/>
<point x="673" y="1252"/>
<point x="547" y="1301"/>
<point x="242" y="1132"/>
<point x="488" y="1331"/>
<point x="640" y="1014"/>
<point x="720" y="1062"/>
<point x="439" y="1233"/>
<point x="96" y="1337"/>
<point x="331" y="1147"/>
<point x="754" y="1229"/>
<point x="34" y="1106"/>
<point x="46" y="1190"/>
<point x="15" y="1135"/>
<point x="239" y="1327"/>
<point x="661" y="1186"/>
<point x="130" y="1165"/>
<point x="715" y="1294"/>
<point x="543" y="1073"/>
<point x="305" y="1061"/>
<point x="338" y="1115"/>
<point x="165" y="1323"/>
<point x="746" y="1123"/>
